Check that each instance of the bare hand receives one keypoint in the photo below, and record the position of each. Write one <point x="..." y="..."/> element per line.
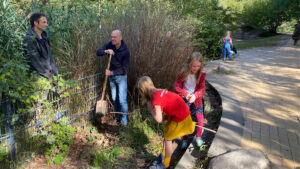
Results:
<point x="192" y="99"/>
<point x="109" y="51"/>
<point x="108" y="72"/>
<point x="188" y="97"/>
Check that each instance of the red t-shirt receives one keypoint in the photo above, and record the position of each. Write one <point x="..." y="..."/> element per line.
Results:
<point x="172" y="104"/>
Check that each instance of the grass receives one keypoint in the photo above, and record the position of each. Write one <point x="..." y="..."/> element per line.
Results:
<point x="226" y="72"/>
<point x="269" y="41"/>
<point x="203" y="164"/>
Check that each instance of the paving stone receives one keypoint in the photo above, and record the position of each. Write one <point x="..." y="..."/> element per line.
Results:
<point x="288" y="163"/>
<point x="283" y="137"/>
<point x="274" y="133"/>
<point x="255" y="126"/>
<point x="265" y="129"/>
<point x="247" y="135"/>
<point x="275" y="148"/>
<point x="248" y="123"/>
<point x="285" y="152"/>
<point x="266" y="143"/>
<point x="292" y="137"/>
<point x="241" y="159"/>
<point x="296" y="154"/>
<point x="256" y="134"/>
<point x="276" y="161"/>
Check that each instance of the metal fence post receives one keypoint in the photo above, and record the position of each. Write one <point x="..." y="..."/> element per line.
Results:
<point x="7" y="109"/>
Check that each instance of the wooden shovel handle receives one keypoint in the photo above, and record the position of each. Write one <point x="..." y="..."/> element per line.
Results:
<point x="114" y="112"/>
<point x="207" y="129"/>
<point x="106" y="77"/>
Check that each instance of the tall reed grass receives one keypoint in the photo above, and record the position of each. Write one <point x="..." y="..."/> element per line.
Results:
<point x="77" y="32"/>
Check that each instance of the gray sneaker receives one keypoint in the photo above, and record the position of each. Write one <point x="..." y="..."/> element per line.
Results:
<point x="159" y="166"/>
<point x="158" y="160"/>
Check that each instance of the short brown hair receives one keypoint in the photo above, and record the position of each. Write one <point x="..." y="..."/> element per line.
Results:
<point x="35" y="17"/>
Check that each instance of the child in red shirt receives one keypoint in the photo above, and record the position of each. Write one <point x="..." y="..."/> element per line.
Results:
<point x="168" y="106"/>
<point x="190" y="85"/>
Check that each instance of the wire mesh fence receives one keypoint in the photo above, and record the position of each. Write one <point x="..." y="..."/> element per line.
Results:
<point x="18" y="125"/>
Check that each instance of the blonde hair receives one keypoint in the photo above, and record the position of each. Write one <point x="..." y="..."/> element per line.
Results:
<point x="146" y="88"/>
<point x="196" y="56"/>
<point x="227" y="33"/>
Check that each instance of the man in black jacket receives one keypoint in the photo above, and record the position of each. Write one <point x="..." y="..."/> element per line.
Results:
<point x="117" y="72"/>
<point x="37" y="48"/>
<point x="37" y="51"/>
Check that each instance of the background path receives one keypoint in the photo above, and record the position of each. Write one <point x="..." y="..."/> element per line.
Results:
<point x="264" y="103"/>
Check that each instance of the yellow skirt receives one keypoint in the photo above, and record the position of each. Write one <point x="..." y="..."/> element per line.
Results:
<point x="174" y="130"/>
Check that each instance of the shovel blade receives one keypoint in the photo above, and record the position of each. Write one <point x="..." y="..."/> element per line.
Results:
<point x="101" y="107"/>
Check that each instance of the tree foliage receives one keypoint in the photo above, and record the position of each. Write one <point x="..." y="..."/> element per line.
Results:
<point x="209" y="26"/>
<point x="269" y="14"/>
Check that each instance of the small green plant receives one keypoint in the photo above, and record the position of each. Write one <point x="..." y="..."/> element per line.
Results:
<point x="60" y="157"/>
<point x="91" y="130"/>
<point x="107" y="158"/>
<point x="94" y="130"/>
<point x="203" y="164"/>
<point x="58" y="137"/>
<point x="3" y="154"/>
<point x="203" y="147"/>
<point x="226" y="72"/>
<point x="90" y="138"/>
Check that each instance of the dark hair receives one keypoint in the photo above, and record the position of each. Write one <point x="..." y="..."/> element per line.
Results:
<point x="35" y="17"/>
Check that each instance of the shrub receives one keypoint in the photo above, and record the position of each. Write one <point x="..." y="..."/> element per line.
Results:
<point x="210" y="28"/>
<point x="14" y="79"/>
<point x="59" y="137"/>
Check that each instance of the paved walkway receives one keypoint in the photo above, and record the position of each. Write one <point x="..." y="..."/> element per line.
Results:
<point x="265" y="91"/>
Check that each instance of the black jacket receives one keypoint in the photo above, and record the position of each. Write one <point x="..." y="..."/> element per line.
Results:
<point x="119" y="61"/>
<point x="39" y="54"/>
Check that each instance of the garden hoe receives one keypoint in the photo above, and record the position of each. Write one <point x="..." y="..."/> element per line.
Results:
<point x="102" y="105"/>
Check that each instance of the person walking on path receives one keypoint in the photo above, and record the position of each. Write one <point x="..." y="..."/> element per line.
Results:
<point x="37" y="50"/>
<point x="190" y="85"/>
<point x="169" y="107"/>
<point x="226" y="50"/>
<point x="117" y="72"/>
<point x="296" y="34"/>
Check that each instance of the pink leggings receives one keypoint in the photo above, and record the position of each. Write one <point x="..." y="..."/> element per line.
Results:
<point x="199" y="117"/>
